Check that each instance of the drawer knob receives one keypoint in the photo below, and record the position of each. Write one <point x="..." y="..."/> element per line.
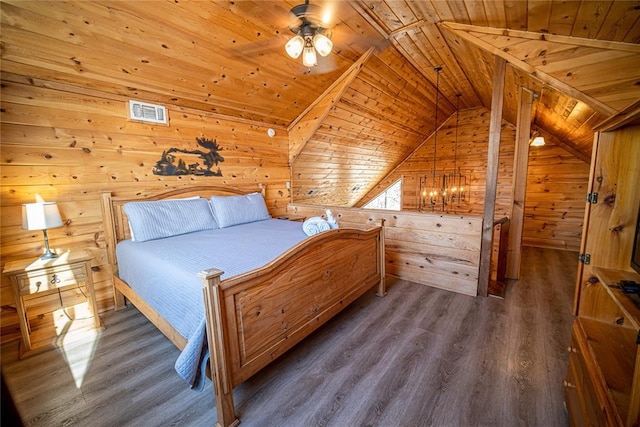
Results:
<point x="55" y="279"/>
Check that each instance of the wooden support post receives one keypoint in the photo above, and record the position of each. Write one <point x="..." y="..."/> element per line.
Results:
<point x="218" y="362"/>
<point x="382" y="286"/>
<point x="497" y="100"/>
<point x="520" y="165"/>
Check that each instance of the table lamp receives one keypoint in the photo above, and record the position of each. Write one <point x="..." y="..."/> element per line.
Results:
<point x="41" y="216"/>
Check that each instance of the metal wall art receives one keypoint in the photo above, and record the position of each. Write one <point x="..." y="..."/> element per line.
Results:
<point x="194" y="162"/>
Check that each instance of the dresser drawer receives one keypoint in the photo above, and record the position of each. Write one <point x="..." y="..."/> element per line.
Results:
<point x="51" y="278"/>
<point x="595" y="410"/>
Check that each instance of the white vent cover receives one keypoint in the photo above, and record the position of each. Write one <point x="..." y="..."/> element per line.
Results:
<point x="147" y="112"/>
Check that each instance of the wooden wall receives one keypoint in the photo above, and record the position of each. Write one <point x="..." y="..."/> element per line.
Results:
<point x="556" y="180"/>
<point x="442" y="251"/>
<point x="557" y="185"/>
<point x="384" y="113"/>
<point x="66" y="144"/>
<point x="473" y="136"/>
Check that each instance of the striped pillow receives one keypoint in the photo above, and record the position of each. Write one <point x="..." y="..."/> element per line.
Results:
<point x="234" y="210"/>
<point x="165" y="218"/>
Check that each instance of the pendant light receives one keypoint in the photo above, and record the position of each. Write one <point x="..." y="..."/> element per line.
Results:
<point x="436" y="193"/>
<point x="457" y="180"/>
<point x="449" y="186"/>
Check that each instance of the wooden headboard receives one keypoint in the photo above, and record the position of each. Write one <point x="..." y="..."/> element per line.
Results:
<point x="116" y="224"/>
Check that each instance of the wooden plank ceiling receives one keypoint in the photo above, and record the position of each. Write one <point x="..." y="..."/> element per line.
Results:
<point x="580" y="57"/>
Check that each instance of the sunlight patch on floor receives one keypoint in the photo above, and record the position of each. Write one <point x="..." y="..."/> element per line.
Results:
<point x="76" y="339"/>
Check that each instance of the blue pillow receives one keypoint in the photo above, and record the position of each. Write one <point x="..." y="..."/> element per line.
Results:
<point x="234" y="210"/>
<point x="165" y="218"/>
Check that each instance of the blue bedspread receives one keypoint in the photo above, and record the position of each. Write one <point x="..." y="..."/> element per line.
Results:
<point x="163" y="272"/>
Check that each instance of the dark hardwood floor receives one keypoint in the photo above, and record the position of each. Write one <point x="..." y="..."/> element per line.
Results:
<point x="417" y="357"/>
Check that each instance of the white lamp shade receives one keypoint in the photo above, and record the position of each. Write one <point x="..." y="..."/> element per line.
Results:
<point x="294" y="46"/>
<point x="40" y="216"/>
<point x="323" y="44"/>
<point x="309" y="58"/>
<point x="538" y="141"/>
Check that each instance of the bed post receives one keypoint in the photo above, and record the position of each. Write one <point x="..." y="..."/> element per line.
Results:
<point x="110" y="238"/>
<point x="382" y="286"/>
<point x="218" y="362"/>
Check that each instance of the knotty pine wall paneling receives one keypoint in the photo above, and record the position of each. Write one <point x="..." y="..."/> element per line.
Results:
<point x="557" y="184"/>
<point x="442" y="251"/>
<point x="67" y="144"/>
<point x="386" y="111"/>
<point x="556" y="180"/>
<point x="472" y="134"/>
<point x="470" y="155"/>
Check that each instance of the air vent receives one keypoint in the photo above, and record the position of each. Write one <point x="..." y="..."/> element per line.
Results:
<point x="147" y="112"/>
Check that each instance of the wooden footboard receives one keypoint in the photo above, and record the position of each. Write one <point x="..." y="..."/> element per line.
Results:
<point x="255" y="317"/>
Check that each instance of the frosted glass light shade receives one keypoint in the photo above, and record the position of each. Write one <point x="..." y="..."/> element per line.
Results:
<point x="323" y="44"/>
<point x="294" y="46"/>
<point x="40" y="216"/>
<point x="309" y="58"/>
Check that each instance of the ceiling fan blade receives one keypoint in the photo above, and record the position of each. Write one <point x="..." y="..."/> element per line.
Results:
<point x="264" y="46"/>
<point x="325" y="65"/>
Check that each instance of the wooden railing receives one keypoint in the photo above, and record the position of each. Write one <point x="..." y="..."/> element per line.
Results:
<point x="437" y="250"/>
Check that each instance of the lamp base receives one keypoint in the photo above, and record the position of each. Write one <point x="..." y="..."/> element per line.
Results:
<point x="49" y="255"/>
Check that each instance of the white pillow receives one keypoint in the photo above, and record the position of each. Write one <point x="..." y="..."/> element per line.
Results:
<point x="165" y="218"/>
<point x="234" y="210"/>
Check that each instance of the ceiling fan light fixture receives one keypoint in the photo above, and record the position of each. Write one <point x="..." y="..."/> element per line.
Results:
<point x="323" y="44"/>
<point x="309" y="58"/>
<point x="294" y="46"/>
<point x="312" y="36"/>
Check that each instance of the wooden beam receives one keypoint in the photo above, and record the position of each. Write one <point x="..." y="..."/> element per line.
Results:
<point x="305" y="125"/>
<point x="555" y="38"/>
<point x="462" y="31"/>
<point x="630" y="115"/>
<point x="520" y="164"/>
<point x="495" y="126"/>
<point x="417" y="24"/>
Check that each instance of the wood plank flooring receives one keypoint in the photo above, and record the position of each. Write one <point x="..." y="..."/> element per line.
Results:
<point x="417" y="357"/>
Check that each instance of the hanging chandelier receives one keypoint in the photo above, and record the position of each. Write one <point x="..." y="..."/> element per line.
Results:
<point x="310" y="35"/>
<point x="436" y="189"/>
<point x="442" y="190"/>
<point x="457" y="182"/>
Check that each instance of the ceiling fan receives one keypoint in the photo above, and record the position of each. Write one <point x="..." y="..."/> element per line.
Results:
<point x="310" y="24"/>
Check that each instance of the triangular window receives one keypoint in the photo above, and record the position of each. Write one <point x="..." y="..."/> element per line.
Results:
<point x="389" y="199"/>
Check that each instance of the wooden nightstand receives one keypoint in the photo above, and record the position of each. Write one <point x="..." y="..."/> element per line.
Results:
<point x="29" y="277"/>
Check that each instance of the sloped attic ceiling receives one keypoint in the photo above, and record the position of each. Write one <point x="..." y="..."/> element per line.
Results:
<point x="584" y="72"/>
<point x="228" y="57"/>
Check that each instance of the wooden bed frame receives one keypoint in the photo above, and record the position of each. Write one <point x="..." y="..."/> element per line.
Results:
<point x="255" y="317"/>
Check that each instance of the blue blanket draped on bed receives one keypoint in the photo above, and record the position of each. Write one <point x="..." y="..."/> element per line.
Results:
<point x="163" y="272"/>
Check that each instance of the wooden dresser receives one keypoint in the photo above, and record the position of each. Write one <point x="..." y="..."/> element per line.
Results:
<point x="602" y="384"/>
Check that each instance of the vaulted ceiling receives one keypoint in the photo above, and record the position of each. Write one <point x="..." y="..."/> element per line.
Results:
<point x="581" y="58"/>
